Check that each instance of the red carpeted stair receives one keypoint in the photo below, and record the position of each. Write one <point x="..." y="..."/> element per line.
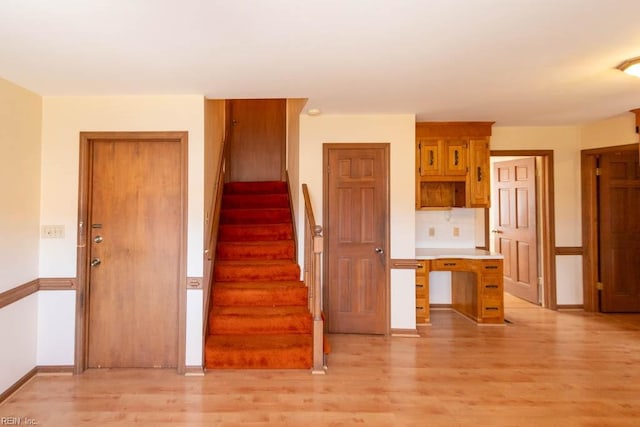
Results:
<point x="258" y="316"/>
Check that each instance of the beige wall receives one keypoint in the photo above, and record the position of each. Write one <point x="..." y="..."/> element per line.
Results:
<point x="20" y="130"/>
<point x="619" y="130"/>
<point x="399" y="132"/>
<point x="63" y="119"/>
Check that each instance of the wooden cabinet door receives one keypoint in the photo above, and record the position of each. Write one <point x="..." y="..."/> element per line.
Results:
<point x="455" y="153"/>
<point x="478" y="183"/>
<point x="429" y="157"/>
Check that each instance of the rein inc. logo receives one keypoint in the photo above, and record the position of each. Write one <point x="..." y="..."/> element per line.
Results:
<point x="18" y="421"/>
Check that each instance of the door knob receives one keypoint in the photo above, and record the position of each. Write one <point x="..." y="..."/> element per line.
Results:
<point x="95" y="262"/>
<point x="379" y="250"/>
<point x="97" y="239"/>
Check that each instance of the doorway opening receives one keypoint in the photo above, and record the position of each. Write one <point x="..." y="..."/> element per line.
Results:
<point x="520" y="225"/>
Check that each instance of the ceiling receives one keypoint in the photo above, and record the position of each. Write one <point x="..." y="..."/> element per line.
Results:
<point x="515" y="62"/>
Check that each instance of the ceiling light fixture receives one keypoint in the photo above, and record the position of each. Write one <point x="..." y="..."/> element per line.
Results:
<point x="631" y="67"/>
<point x="313" y="111"/>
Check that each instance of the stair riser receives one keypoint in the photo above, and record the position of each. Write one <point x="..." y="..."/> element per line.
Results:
<point x="299" y="358"/>
<point x="255" y="201"/>
<point x="241" y="273"/>
<point x="260" y="298"/>
<point x="272" y="187"/>
<point x="254" y="325"/>
<point x="267" y="251"/>
<point x="255" y="216"/>
<point x="229" y="233"/>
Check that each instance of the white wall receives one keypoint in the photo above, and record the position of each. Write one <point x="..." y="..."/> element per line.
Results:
<point x="62" y="120"/>
<point x="20" y="129"/>
<point x="399" y="132"/>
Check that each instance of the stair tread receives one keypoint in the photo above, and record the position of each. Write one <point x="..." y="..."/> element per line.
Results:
<point x="255" y="262"/>
<point x="272" y="284"/>
<point x="260" y="311"/>
<point x="282" y="242"/>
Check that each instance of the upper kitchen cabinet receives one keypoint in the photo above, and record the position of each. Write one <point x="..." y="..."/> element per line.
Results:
<point x="452" y="164"/>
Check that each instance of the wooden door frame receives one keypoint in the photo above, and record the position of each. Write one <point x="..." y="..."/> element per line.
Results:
<point x="590" y="221"/>
<point x="325" y="214"/>
<point x="82" y="264"/>
<point x="547" y="224"/>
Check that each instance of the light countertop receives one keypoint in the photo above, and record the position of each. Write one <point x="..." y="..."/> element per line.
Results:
<point x="464" y="253"/>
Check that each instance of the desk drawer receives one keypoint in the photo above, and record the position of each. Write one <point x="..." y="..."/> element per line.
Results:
<point x="449" y="264"/>
<point x="492" y="266"/>
<point x="491" y="287"/>
<point x="422" y="306"/>
<point x="491" y="307"/>
<point x="421" y="286"/>
<point x="421" y="269"/>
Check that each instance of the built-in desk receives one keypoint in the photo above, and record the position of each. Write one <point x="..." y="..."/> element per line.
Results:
<point x="476" y="283"/>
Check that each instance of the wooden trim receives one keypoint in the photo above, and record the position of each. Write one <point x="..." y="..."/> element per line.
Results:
<point x="194" y="282"/>
<point x="548" y="220"/>
<point x="85" y="173"/>
<point x="453" y="129"/>
<point x="16" y="386"/>
<point x="441" y="306"/>
<point x="569" y="250"/>
<point x="193" y="371"/>
<point x="55" y="369"/>
<point x="57" y="283"/>
<point x="17" y="293"/>
<point x="407" y="333"/>
<point x="570" y="307"/>
<point x="636" y="111"/>
<point x="403" y="264"/>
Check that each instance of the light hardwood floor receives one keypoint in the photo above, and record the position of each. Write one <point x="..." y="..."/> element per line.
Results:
<point x="543" y="369"/>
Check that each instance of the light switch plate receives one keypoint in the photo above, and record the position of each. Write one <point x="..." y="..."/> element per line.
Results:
<point x="52" y="232"/>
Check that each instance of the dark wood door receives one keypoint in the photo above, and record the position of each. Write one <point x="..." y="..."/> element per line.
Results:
<point x="258" y="139"/>
<point x="135" y="235"/>
<point x="356" y="200"/>
<point x="515" y="232"/>
<point x="619" y="208"/>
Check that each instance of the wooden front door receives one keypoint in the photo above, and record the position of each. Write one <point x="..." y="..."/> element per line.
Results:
<point x="258" y="139"/>
<point x="515" y="232"/>
<point x="619" y="207"/>
<point x="134" y="226"/>
<point x="356" y="212"/>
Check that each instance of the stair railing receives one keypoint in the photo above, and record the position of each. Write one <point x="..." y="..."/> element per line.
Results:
<point x="313" y="245"/>
<point x="212" y="226"/>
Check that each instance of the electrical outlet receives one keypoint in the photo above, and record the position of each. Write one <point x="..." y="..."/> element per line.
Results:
<point x="52" y="232"/>
<point x="456" y="231"/>
<point x="432" y="231"/>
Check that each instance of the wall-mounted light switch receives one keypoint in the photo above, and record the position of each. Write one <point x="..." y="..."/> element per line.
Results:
<point x="456" y="231"/>
<point x="52" y="232"/>
<point x="432" y="231"/>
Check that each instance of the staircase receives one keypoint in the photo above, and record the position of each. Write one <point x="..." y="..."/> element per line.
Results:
<point x="259" y="315"/>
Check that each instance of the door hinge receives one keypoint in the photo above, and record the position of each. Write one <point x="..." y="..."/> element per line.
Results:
<point x="599" y="286"/>
<point x="597" y="171"/>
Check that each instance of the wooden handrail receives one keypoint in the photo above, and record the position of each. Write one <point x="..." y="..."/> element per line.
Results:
<point x="212" y="227"/>
<point x="313" y="246"/>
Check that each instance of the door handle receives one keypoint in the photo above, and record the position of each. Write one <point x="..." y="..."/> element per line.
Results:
<point x="497" y="231"/>
<point x="95" y="262"/>
<point x="97" y="239"/>
<point x="379" y="250"/>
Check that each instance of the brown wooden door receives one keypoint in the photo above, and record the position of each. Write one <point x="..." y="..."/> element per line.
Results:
<point x="515" y="231"/>
<point x="619" y="208"/>
<point x="258" y="139"/>
<point x="356" y="231"/>
<point x="135" y="233"/>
